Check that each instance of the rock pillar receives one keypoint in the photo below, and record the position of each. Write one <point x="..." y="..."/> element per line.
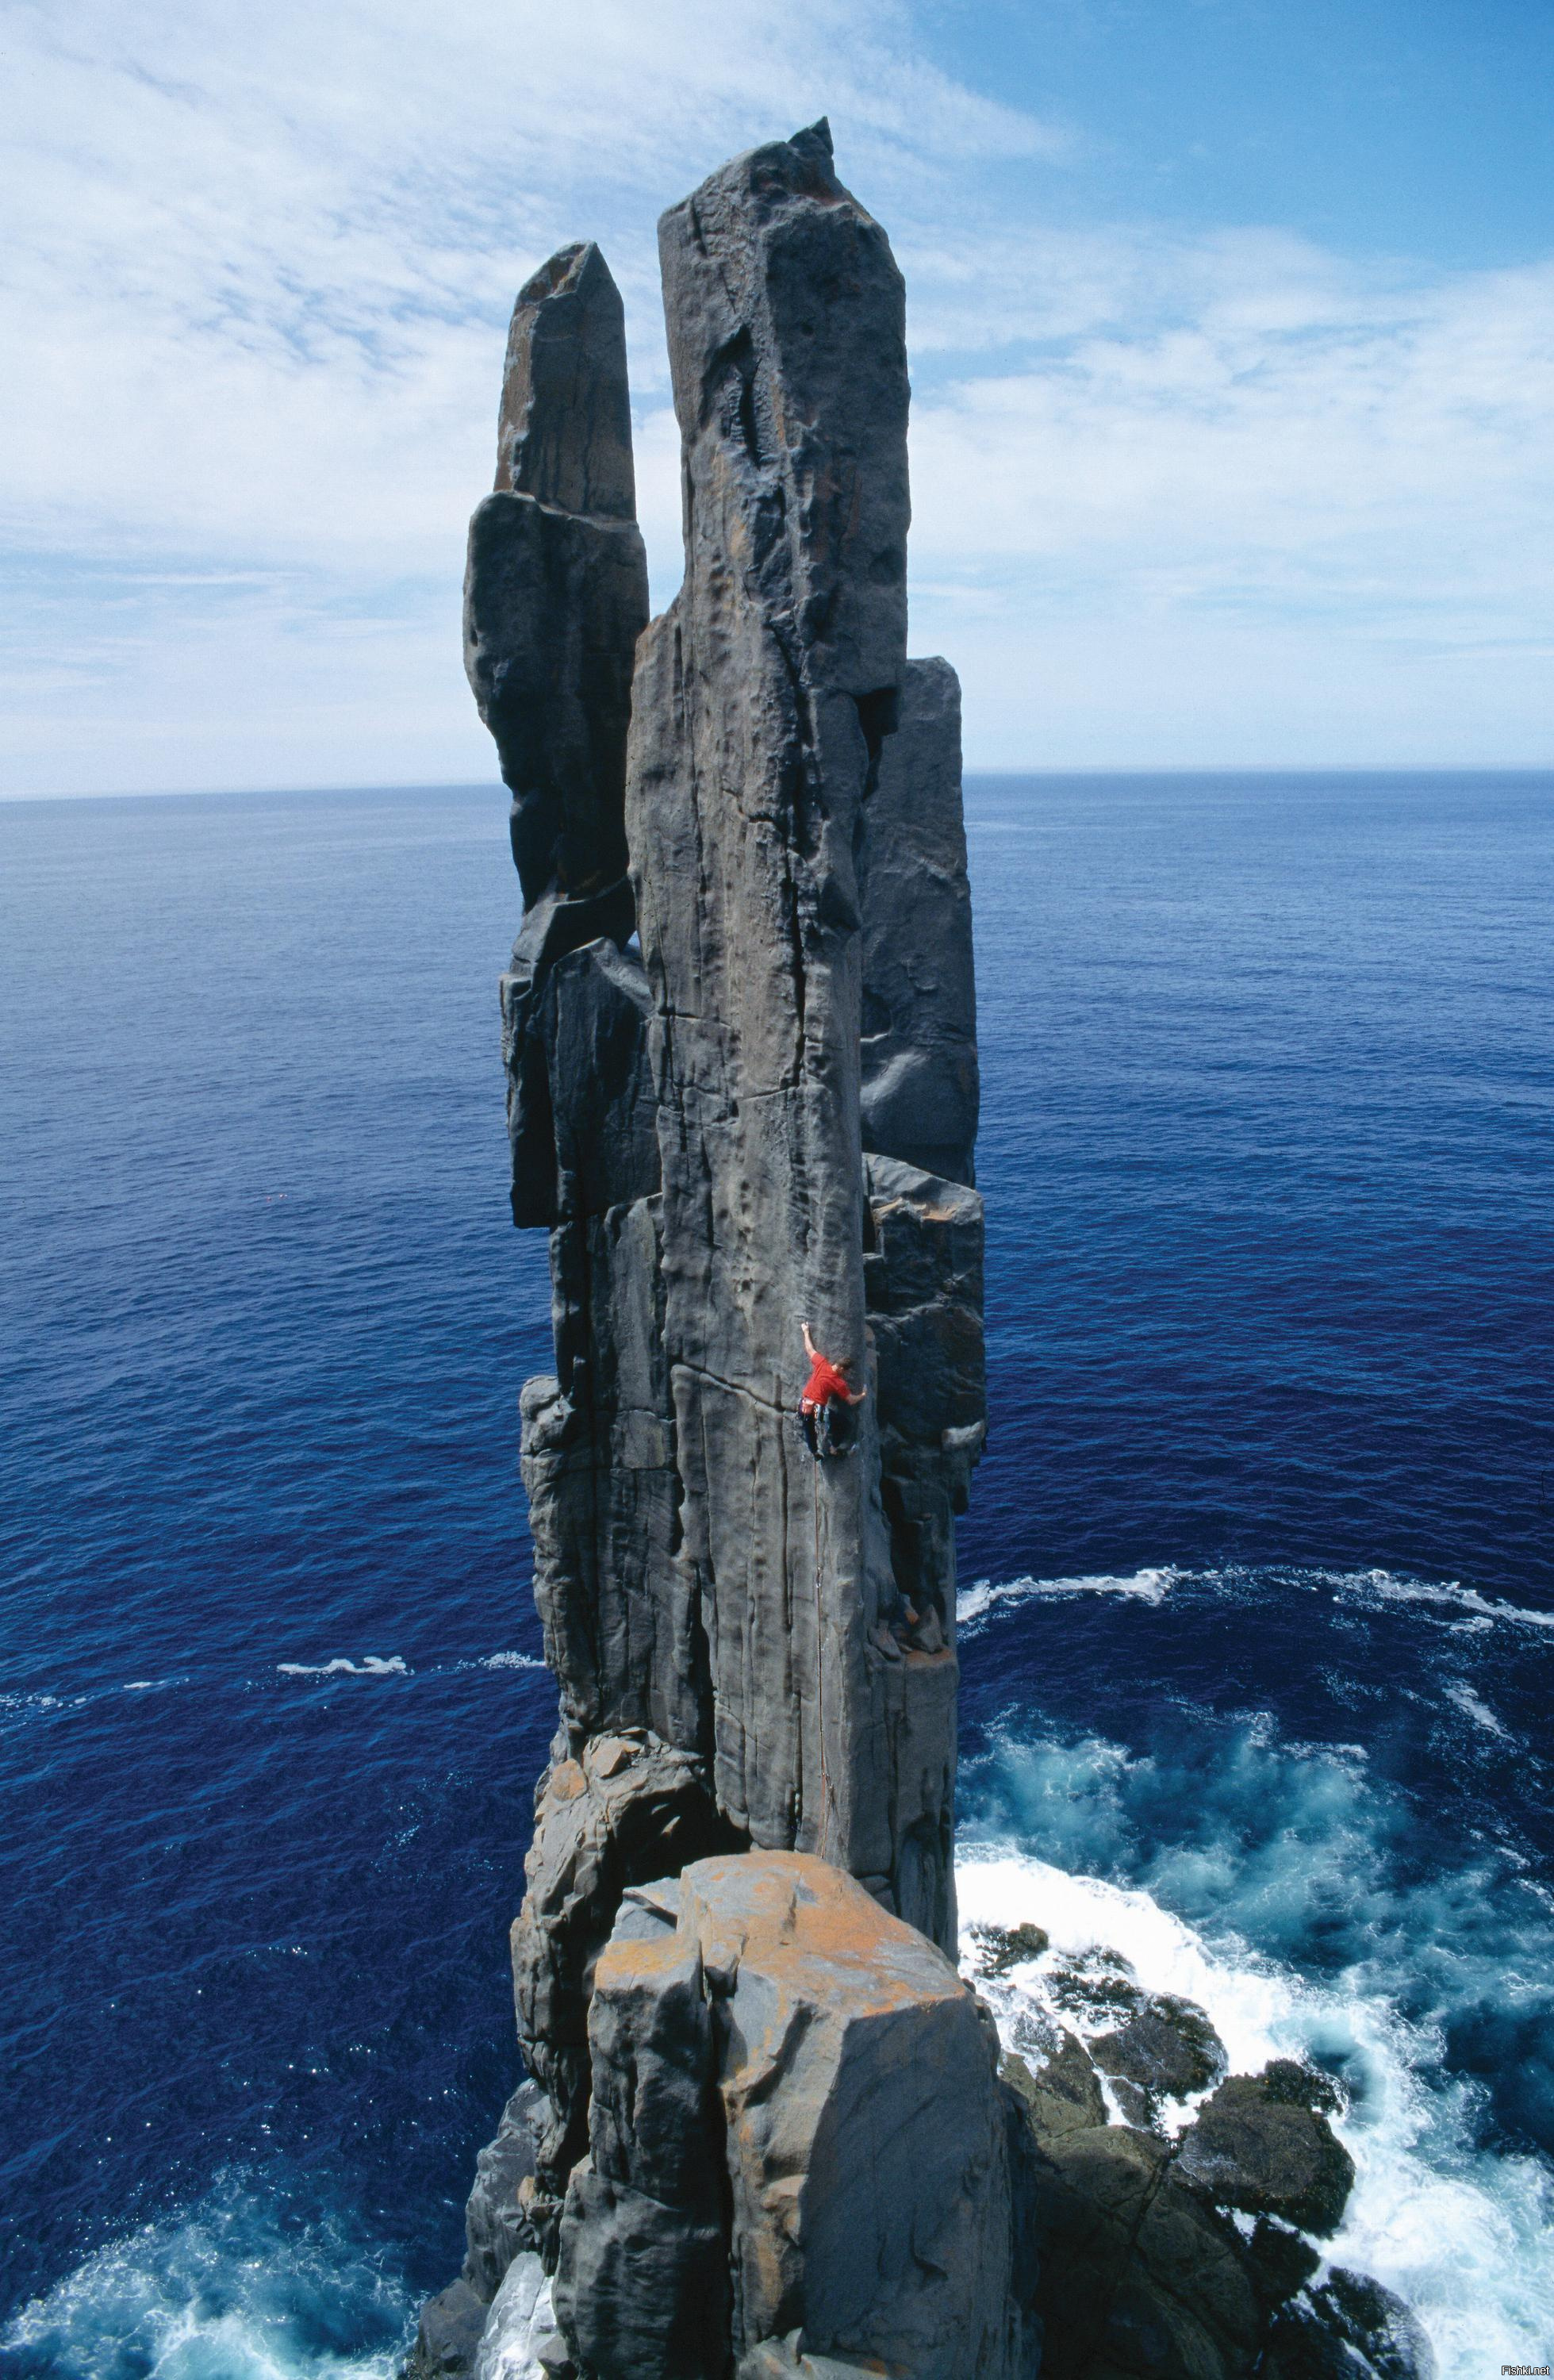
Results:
<point x="762" y="704"/>
<point x="739" y="1032"/>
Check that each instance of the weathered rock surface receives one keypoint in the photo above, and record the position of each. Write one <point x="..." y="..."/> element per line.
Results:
<point x="496" y="2224"/>
<point x="762" y="701"/>
<point x="1143" y="2272"/>
<point x="556" y="597"/>
<point x="1139" y="2276"/>
<point x="448" y="2335"/>
<point x="555" y="604"/>
<point x="688" y="1125"/>
<point x="1299" y="2085"/>
<point x="497" y="2234"/>
<point x="1064" y="2097"/>
<point x="563" y="432"/>
<point x="923" y="1288"/>
<point x="556" y="588"/>
<point x="519" y="2318"/>
<point x="798" y="2142"/>
<point x="1252" y="2148"/>
<point x="1001" y="1948"/>
<point x="920" y="1088"/>
<point x="629" y="1809"/>
<point x="1168" y="2049"/>
<point x="923" y="1285"/>
<point x="1347" y="2329"/>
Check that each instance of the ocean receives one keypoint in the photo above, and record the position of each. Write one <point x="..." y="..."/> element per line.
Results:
<point x="1257" y="1610"/>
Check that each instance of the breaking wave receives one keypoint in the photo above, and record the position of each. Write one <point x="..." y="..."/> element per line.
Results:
<point x="1291" y="1889"/>
<point x="976" y="1605"/>
<point x="1365" y="1589"/>
<point x="372" y="1665"/>
<point x="246" y="2286"/>
<point x="1419" y="2177"/>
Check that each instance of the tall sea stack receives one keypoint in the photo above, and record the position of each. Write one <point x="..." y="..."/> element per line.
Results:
<point x="764" y="2127"/>
<point x="766" y="2130"/>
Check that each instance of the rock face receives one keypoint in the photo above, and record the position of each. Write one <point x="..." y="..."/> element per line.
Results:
<point x="556" y="597"/>
<point x="556" y="594"/>
<point x="763" y="701"/>
<point x="618" y="1817"/>
<point x="920" y="1084"/>
<point x="798" y="2145"/>
<point x="1143" y="2271"/>
<point x="765" y="2126"/>
<point x="521" y="2319"/>
<point x="496" y="2225"/>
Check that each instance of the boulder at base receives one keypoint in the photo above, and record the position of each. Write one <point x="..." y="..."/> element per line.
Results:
<point x="1262" y="2152"/>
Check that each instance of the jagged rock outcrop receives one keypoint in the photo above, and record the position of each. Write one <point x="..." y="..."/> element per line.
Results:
<point x="799" y="2144"/>
<point x="556" y="591"/>
<point x="521" y="2320"/>
<point x="496" y="2222"/>
<point x="627" y="1809"/>
<point x="498" y="2234"/>
<point x="1143" y="2272"/>
<point x="736" y="828"/>
<point x="1166" y="2049"/>
<point x="1348" y="2328"/>
<point x="1258" y="2145"/>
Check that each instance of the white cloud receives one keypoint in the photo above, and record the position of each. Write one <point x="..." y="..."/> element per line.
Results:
<point x="255" y="283"/>
<point x="1389" y="424"/>
<point x="1292" y="509"/>
<point x="257" y="274"/>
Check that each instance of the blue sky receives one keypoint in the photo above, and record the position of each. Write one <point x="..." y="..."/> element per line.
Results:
<point x="1233" y="329"/>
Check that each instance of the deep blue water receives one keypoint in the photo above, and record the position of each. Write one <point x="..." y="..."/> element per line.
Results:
<point x="1260" y="1610"/>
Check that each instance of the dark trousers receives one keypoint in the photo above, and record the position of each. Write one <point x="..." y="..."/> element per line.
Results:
<point x="827" y="1428"/>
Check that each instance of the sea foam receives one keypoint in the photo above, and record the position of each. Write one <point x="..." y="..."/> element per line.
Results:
<point x="371" y="1666"/>
<point x="974" y="1605"/>
<point x="243" y="2285"/>
<point x="1419" y="2180"/>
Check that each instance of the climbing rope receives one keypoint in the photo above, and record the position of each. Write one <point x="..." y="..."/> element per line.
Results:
<point x="820" y="1678"/>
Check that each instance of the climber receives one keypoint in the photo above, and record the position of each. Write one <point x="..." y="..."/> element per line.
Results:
<point x="824" y="1392"/>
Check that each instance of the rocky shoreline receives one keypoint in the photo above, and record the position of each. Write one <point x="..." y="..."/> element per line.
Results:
<point x="1182" y="2247"/>
<point x="1196" y="2253"/>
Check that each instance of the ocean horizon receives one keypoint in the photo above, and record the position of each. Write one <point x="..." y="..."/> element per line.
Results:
<point x="1261" y="772"/>
<point x="1257" y="1611"/>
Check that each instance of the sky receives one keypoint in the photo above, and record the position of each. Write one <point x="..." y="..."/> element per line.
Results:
<point x="1232" y="326"/>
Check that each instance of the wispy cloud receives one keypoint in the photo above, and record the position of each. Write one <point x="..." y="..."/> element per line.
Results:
<point x="1287" y="421"/>
<point x="1303" y="488"/>
<point x="254" y="289"/>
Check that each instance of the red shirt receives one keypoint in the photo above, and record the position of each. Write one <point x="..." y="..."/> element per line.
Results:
<point x="824" y="1383"/>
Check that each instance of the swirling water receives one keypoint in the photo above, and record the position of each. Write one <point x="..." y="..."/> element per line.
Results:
<point x="1258" y="1617"/>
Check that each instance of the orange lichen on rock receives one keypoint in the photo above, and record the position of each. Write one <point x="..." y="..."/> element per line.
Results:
<point x="865" y="2184"/>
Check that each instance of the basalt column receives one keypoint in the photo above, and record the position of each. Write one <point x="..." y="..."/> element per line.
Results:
<point x="762" y="702"/>
<point x="555" y="599"/>
<point x="739" y="1035"/>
